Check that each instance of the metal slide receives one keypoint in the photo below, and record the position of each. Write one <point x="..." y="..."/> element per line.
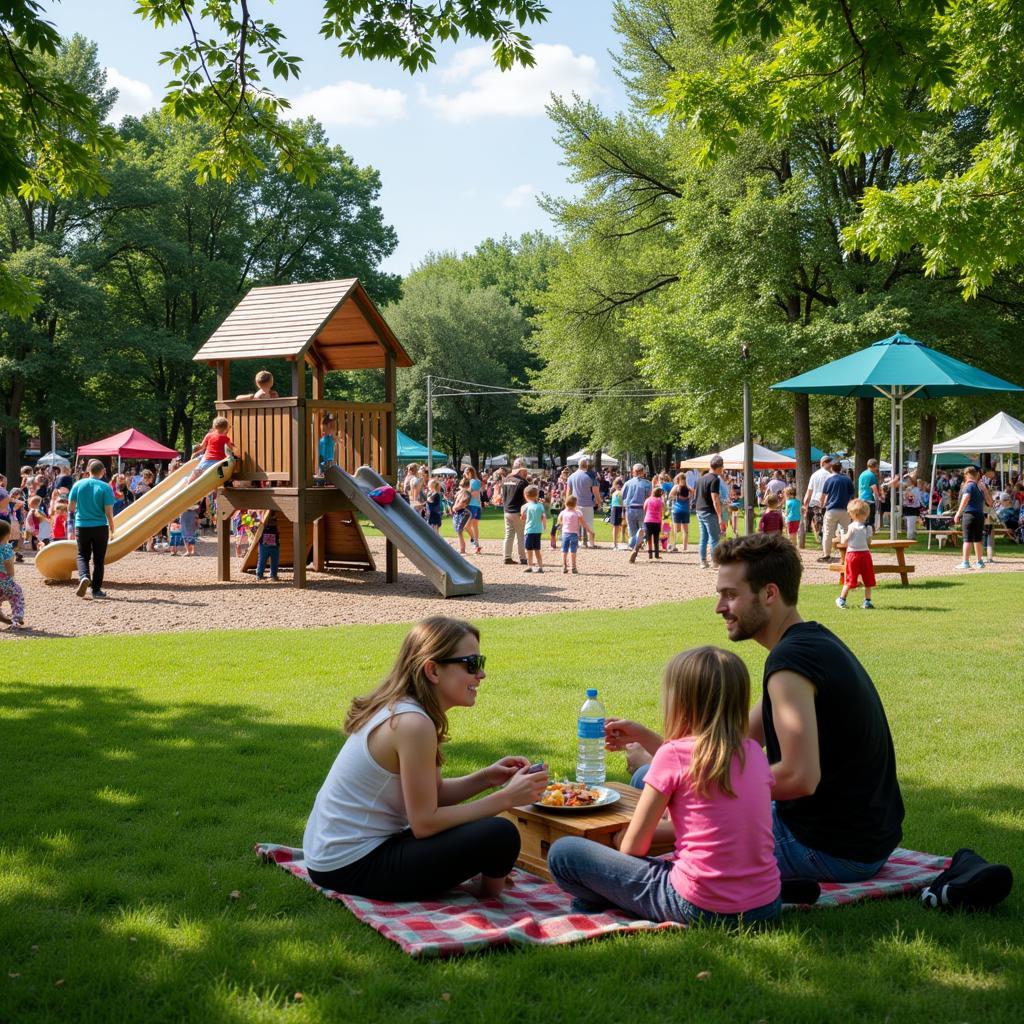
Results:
<point x="144" y="518"/>
<point x="446" y="569"/>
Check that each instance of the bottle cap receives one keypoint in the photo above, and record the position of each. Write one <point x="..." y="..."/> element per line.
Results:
<point x="591" y="693"/>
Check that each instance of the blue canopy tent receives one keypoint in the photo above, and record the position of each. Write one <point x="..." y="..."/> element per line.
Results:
<point x="816" y="453"/>
<point x="896" y="368"/>
<point x="410" y="450"/>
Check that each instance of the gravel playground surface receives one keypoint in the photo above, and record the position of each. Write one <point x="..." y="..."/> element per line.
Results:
<point x="151" y="592"/>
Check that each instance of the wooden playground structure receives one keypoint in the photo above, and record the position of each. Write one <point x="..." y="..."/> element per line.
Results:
<point x="326" y="326"/>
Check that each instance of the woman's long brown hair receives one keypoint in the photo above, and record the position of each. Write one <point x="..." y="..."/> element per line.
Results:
<point x="430" y="640"/>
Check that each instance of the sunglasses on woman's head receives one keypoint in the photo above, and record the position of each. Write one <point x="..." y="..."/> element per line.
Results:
<point x="473" y="662"/>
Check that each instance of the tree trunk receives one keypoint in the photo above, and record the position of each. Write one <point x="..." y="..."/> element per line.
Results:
<point x="12" y="435"/>
<point x="864" y="440"/>
<point x="563" y="453"/>
<point x="43" y="426"/>
<point x="650" y="462"/>
<point x="802" y="441"/>
<point x="474" y="458"/>
<point x="669" y="452"/>
<point x="929" y="425"/>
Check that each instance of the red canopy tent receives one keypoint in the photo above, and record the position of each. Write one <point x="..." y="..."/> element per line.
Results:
<point x="129" y="444"/>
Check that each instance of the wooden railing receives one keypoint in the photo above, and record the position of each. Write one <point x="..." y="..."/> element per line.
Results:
<point x="362" y="434"/>
<point x="266" y="434"/>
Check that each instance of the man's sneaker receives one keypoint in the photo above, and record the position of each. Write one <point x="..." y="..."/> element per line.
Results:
<point x="867" y="604"/>
<point x="964" y="565"/>
<point x="633" y="554"/>
<point x="99" y="593"/>
<point x="824" y="558"/>
<point x="969" y="882"/>
<point x="703" y="565"/>
<point x="840" y="602"/>
<point x="83" y="586"/>
<point x="509" y="561"/>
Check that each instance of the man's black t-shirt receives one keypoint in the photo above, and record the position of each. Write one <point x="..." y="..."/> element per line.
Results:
<point x="512" y="488"/>
<point x="857" y="810"/>
<point x="707" y="485"/>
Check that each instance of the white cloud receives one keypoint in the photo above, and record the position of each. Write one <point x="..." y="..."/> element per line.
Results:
<point x="518" y="197"/>
<point x="351" y="103"/>
<point x="134" y="98"/>
<point x="481" y="90"/>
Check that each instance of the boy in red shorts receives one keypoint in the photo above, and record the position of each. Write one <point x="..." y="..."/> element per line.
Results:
<point x="858" y="565"/>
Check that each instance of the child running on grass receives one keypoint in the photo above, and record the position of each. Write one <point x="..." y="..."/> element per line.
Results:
<point x="534" y="519"/>
<point x="571" y="522"/>
<point x="716" y="785"/>
<point x="10" y="592"/>
<point x="794" y="513"/>
<point x="858" y="565"/>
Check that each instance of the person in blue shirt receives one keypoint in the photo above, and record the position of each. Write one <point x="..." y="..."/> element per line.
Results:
<point x="868" y="490"/>
<point x="636" y="491"/>
<point x="837" y="492"/>
<point x="328" y="438"/>
<point x="91" y="502"/>
<point x="973" y="498"/>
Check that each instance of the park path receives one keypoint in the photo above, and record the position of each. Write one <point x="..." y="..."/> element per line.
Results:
<point x="154" y="592"/>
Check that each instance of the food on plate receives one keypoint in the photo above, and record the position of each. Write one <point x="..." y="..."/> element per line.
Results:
<point x="569" y="794"/>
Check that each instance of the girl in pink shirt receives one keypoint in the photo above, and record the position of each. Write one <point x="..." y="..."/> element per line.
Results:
<point x="716" y="785"/>
<point x="654" y="512"/>
<point x="571" y="520"/>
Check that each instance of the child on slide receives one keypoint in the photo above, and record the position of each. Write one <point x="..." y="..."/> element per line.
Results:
<point x="214" y="446"/>
<point x="386" y="824"/>
<point x="716" y="785"/>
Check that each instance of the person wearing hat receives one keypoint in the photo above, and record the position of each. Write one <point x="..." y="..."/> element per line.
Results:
<point x="512" y="501"/>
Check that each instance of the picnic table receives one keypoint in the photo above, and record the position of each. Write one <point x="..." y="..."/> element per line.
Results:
<point x="900" y="567"/>
<point x="941" y="525"/>
<point x="539" y="829"/>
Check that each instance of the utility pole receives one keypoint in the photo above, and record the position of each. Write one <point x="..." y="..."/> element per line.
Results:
<point x="748" y="445"/>
<point x="430" y="425"/>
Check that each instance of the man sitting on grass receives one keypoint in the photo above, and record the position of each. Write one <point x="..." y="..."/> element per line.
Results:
<point x="837" y="811"/>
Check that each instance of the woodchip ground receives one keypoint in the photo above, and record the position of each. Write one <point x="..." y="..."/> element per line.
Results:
<point x="154" y="592"/>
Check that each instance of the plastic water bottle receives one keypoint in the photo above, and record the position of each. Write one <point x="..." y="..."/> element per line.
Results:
<point x="590" y="735"/>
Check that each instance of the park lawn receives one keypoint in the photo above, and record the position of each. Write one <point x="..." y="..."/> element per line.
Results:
<point x="492" y="530"/>
<point x="139" y="771"/>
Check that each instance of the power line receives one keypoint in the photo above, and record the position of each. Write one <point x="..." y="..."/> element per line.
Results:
<point x="447" y="391"/>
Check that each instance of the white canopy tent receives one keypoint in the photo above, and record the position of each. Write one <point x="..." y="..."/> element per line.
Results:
<point x="577" y="457"/>
<point x="764" y="458"/>
<point x="1001" y="435"/>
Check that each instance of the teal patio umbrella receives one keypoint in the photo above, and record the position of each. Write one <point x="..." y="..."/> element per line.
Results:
<point x="896" y="368"/>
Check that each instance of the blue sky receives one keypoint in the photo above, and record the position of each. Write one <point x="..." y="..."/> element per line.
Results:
<point x="463" y="150"/>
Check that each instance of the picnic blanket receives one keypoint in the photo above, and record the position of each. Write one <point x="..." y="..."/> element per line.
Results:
<point x="534" y="912"/>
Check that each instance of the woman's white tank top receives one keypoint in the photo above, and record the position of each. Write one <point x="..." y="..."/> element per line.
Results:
<point x="360" y="804"/>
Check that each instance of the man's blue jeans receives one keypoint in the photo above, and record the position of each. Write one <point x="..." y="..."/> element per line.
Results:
<point x="635" y="523"/>
<point x="709" y="533"/>
<point x="598" y="877"/>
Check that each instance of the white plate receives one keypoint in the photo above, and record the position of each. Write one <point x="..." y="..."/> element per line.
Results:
<point x="608" y="796"/>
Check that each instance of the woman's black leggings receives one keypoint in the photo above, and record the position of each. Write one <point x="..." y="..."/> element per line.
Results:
<point x="406" y="868"/>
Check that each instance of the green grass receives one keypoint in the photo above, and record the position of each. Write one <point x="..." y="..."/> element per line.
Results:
<point x="493" y="529"/>
<point x="138" y="772"/>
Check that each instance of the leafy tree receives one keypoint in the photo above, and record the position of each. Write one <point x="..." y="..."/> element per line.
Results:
<point x="883" y="71"/>
<point x="451" y="331"/>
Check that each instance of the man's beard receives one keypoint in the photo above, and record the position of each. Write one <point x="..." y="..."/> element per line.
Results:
<point x="750" y="623"/>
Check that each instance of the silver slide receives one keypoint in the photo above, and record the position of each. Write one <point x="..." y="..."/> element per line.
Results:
<point x="428" y="551"/>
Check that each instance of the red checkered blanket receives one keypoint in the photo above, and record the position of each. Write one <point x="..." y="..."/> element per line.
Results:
<point x="534" y="912"/>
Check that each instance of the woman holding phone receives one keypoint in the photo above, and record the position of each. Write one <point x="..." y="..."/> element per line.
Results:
<point x="386" y="824"/>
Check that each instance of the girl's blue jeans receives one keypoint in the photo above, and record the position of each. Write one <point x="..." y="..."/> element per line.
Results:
<point x="598" y="877"/>
<point x="267" y="554"/>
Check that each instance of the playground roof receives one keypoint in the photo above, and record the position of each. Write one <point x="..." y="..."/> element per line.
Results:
<point x="333" y="323"/>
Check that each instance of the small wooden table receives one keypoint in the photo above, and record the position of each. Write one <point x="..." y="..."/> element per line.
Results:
<point x="539" y="829"/>
<point x="941" y="526"/>
<point x="901" y="567"/>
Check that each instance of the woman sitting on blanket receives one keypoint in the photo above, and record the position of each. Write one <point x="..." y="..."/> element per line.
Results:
<point x="385" y="824"/>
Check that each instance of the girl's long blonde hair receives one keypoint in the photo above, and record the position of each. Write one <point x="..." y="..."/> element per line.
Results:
<point x="429" y="640"/>
<point x="706" y="694"/>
